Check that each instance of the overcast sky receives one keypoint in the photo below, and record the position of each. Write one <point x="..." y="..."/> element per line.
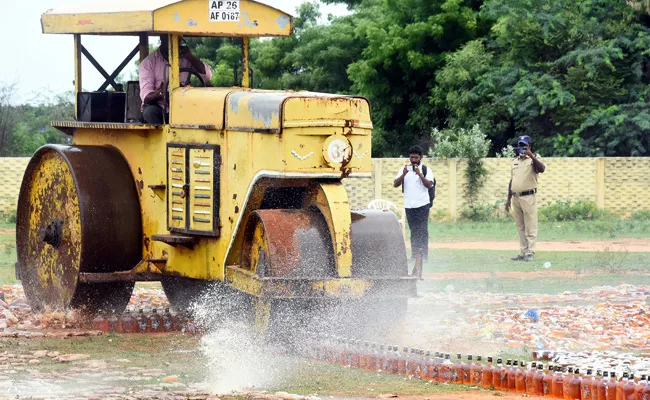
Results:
<point x="38" y="62"/>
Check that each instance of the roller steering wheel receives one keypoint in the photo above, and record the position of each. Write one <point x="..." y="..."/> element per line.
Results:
<point x="190" y="72"/>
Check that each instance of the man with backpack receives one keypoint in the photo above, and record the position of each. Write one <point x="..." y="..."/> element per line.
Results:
<point x="418" y="186"/>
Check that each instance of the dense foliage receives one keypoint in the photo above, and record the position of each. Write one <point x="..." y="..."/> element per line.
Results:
<point x="573" y="74"/>
<point x="25" y="128"/>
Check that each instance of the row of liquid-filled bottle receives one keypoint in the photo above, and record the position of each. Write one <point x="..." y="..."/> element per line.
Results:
<point x="540" y="379"/>
<point x="141" y="322"/>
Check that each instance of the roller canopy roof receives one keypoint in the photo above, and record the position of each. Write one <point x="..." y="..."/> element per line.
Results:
<point x="235" y="18"/>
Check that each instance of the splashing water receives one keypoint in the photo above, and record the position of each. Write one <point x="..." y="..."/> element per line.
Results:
<point x="237" y="360"/>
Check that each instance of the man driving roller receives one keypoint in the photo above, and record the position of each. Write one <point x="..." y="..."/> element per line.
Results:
<point x="154" y="80"/>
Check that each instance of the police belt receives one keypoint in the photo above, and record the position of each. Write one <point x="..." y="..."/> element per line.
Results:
<point x="525" y="193"/>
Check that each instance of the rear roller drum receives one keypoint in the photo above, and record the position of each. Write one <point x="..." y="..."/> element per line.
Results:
<point x="78" y="211"/>
<point x="378" y="251"/>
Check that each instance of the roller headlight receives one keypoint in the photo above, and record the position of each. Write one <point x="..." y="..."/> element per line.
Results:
<point x="337" y="150"/>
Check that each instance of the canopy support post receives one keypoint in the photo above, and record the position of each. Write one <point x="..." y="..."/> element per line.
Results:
<point x="144" y="46"/>
<point x="174" y="69"/>
<point x="246" y="73"/>
<point x="77" y="69"/>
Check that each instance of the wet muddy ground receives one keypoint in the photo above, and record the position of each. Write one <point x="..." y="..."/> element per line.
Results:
<point x="54" y="355"/>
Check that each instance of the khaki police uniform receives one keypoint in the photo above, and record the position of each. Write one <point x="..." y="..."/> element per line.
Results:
<point x="524" y="202"/>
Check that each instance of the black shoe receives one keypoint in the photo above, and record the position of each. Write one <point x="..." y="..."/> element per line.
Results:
<point x="529" y="257"/>
<point x="518" y="258"/>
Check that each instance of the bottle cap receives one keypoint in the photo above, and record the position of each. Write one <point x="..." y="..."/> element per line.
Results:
<point x="643" y="377"/>
<point x="522" y="363"/>
<point x="508" y="362"/>
<point x="515" y="363"/>
<point x="570" y="369"/>
<point x="428" y="354"/>
<point x="626" y="375"/>
<point x="599" y="373"/>
<point x="533" y="364"/>
<point x="540" y="367"/>
<point x="469" y="357"/>
<point x="479" y="358"/>
<point x="489" y="359"/>
<point x="406" y="350"/>
<point x="458" y="356"/>
<point x="447" y="356"/>
<point x="605" y="374"/>
<point x="577" y="371"/>
<point x="588" y="371"/>
<point x="499" y="361"/>
<point x="612" y="374"/>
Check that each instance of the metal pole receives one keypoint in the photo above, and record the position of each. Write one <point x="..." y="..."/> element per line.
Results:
<point x="77" y="70"/>
<point x="246" y="80"/>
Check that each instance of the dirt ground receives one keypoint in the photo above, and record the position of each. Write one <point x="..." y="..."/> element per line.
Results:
<point x="617" y="245"/>
<point x="439" y="276"/>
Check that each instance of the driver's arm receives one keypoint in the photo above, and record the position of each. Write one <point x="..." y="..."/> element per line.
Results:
<point x="190" y="60"/>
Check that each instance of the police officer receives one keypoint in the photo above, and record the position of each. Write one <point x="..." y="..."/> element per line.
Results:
<point x="522" y="196"/>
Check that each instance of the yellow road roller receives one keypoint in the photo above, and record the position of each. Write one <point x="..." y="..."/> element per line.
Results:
<point x="238" y="191"/>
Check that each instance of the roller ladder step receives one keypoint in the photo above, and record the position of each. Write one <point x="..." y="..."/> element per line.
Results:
<point x="176" y="240"/>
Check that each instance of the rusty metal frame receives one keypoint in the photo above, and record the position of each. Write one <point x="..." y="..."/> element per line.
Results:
<point x="110" y="79"/>
<point x="246" y="49"/>
<point x="319" y="288"/>
<point x="146" y="270"/>
<point x="69" y="127"/>
<point x="281" y="113"/>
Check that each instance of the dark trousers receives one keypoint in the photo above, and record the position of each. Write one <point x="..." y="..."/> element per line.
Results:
<point x="418" y="219"/>
<point x="154" y="114"/>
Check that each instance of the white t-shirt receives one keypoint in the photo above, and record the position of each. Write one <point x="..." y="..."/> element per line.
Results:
<point x="416" y="194"/>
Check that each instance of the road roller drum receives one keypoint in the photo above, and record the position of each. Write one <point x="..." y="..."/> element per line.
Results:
<point x="78" y="211"/>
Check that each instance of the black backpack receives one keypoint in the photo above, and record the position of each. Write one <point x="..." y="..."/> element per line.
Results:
<point x="432" y="189"/>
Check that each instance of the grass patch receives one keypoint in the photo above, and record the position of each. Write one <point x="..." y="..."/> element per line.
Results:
<point x="6" y="224"/>
<point x="7" y="259"/>
<point x="174" y="354"/>
<point x="312" y="377"/>
<point x="605" y="229"/>
<point x="586" y="270"/>
<point x="550" y="285"/>
<point x="180" y="355"/>
<point x="444" y="260"/>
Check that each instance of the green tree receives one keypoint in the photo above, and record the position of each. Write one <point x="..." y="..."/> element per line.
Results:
<point x="408" y="41"/>
<point x="34" y="129"/>
<point x="572" y="74"/>
<point x="9" y="116"/>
